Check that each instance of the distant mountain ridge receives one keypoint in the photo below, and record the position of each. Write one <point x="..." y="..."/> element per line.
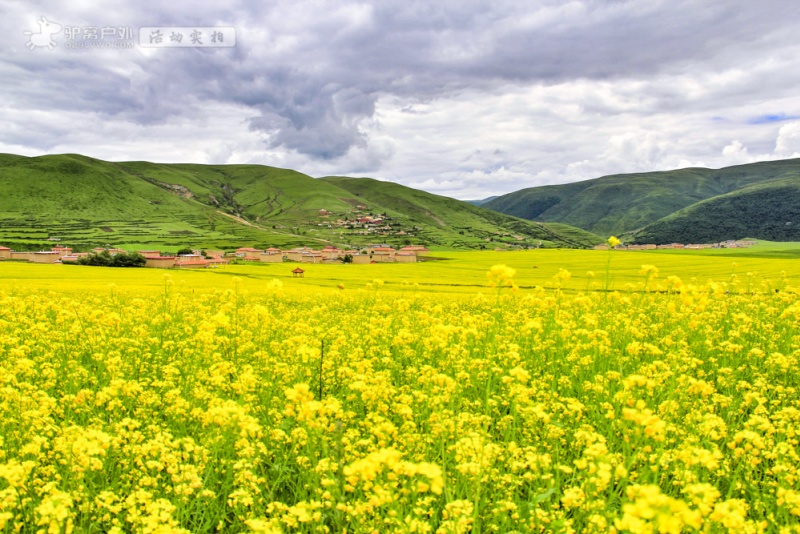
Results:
<point x="482" y="201"/>
<point x="87" y="202"/>
<point x="685" y="205"/>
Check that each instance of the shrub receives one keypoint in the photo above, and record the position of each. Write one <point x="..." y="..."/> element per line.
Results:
<point x="105" y="259"/>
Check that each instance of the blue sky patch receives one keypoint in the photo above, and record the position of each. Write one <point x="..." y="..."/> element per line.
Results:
<point x="767" y="119"/>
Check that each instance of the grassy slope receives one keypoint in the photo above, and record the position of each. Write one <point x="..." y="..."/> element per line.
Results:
<point x="460" y="222"/>
<point x="619" y="203"/>
<point x="87" y="202"/>
<point x="764" y="211"/>
<point x="252" y="191"/>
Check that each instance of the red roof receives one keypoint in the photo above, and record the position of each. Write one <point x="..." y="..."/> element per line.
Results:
<point x="4" y="248"/>
<point x="298" y="270"/>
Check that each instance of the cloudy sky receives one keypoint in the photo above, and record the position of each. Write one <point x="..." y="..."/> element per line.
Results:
<point x="461" y="98"/>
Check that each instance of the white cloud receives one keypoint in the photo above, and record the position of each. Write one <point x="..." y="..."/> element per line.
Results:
<point x="788" y="143"/>
<point x="736" y="153"/>
<point x="467" y="99"/>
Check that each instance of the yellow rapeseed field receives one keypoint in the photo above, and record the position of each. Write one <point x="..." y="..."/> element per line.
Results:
<point x="254" y="403"/>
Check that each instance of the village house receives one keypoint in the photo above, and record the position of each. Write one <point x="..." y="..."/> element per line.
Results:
<point x="183" y="262"/>
<point x="331" y="252"/>
<point x="405" y="257"/>
<point x="216" y="262"/>
<point x="213" y="253"/>
<point x="46" y="256"/>
<point x="311" y="257"/>
<point x="680" y="246"/>
<point x="418" y="250"/>
<point x="249" y="253"/>
<point x="379" y="253"/>
<point x="150" y="253"/>
<point x="271" y="256"/>
<point x="160" y="262"/>
<point x="112" y="251"/>
<point x="382" y="254"/>
<point x="23" y="256"/>
<point x="295" y="254"/>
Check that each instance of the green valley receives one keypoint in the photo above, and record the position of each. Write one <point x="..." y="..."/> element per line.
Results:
<point x="686" y="205"/>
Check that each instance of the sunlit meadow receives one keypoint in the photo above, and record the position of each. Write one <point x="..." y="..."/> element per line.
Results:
<point x="487" y="393"/>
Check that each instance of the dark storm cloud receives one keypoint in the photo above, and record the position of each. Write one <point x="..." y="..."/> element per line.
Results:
<point x="309" y="77"/>
<point x="56" y="83"/>
<point x="313" y="72"/>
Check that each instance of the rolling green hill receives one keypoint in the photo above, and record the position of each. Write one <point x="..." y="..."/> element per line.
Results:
<point x="438" y="217"/>
<point x="629" y="202"/>
<point x="764" y="211"/>
<point x="480" y="202"/>
<point x="87" y="202"/>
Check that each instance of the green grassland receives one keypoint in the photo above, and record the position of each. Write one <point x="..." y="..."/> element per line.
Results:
<point x="85" y="202"/>
<point x="771" y="209"/>
<point x="762" y="268"/>
<point x="710" y="198"/>
<point x="440" y="215"/>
